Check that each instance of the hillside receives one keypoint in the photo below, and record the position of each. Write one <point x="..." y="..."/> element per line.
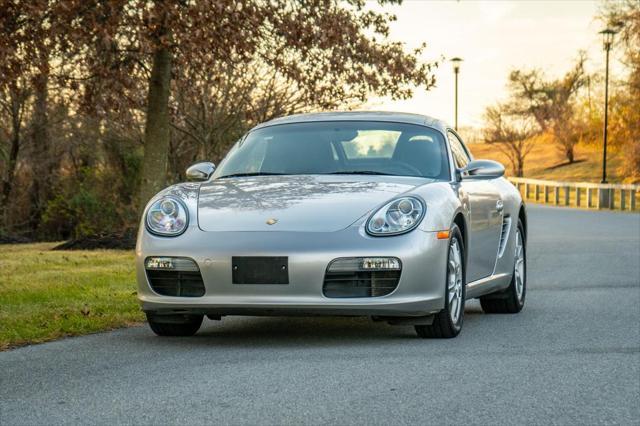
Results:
<point x="545" y="162"/>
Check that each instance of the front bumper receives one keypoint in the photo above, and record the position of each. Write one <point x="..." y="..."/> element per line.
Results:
<point x="420" y="290"/>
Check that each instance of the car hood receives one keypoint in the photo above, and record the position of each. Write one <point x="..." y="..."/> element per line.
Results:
<point x="309" y="203"/>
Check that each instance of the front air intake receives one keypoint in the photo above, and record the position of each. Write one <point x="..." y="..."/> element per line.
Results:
<point x="176" y="283"/>
<point x="174" y="276"/>
<point x="361" y="277"/>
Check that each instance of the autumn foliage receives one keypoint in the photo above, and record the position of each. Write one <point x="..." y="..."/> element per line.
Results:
<point x="569" y="110"/>
<point x="105" y="101"/>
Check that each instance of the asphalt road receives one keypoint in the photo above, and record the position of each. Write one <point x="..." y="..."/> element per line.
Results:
<point x="571" y="357"/>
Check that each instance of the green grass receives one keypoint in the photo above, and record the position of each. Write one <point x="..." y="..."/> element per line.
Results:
<point x="46" y="294"/>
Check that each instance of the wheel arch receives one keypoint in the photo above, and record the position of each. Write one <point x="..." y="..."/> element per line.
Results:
<point x="460" y="221"/>
<point x="522" y="215"/>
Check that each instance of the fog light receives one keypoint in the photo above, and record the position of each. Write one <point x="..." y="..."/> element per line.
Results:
<point x="170" y="264"/>
<point x="380" y="264"/>
<point x="365" y="264"/>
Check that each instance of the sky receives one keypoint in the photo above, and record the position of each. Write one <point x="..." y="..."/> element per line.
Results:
<point x="492" y="37"/>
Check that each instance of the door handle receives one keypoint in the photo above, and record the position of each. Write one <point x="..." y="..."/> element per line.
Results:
<point x="499" y="206"/>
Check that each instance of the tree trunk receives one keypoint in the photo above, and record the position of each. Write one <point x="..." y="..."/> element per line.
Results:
<point x="42" y="161"/>
<point x="520" y="171"/>
<point x="156" y="134"/>
<point x="7" y="183"/>
<point x="570" y="154"/>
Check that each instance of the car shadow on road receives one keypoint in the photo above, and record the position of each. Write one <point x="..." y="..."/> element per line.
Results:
<point x="286" y="332"/>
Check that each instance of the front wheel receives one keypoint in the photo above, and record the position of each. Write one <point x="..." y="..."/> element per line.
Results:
<point x="448" y="322"/>
<point x="511" y="300"/>
<point x="174" y="325"/>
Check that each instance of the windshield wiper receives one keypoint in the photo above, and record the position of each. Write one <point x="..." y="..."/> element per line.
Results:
<point x="251" y="174"/>
<point x="359" y="172"/>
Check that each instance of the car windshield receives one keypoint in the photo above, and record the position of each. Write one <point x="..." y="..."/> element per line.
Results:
<point x="340" y="147"/>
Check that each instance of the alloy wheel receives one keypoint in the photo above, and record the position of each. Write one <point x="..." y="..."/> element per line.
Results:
<point x="454" y="280"/>
<point x="520" y="266"/>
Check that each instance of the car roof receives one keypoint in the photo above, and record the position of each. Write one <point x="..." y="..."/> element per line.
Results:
<point x="392" y="117"/>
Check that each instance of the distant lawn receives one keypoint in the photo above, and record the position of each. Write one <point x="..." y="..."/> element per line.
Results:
<point x="47" y="294"/>
<point x="544" y="162"/>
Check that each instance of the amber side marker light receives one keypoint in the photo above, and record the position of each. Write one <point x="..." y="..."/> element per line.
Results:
<point x="443" y="235"/>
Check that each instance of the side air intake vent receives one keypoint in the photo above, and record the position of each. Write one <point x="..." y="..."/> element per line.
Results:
<point x="504" y="235"/>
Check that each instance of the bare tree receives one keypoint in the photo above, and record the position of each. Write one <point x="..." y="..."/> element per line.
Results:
<point x="212" y="108"/>
<point x="512" y="133"/>
<point x="551" y="103"/>
<point x="13" y="103"/>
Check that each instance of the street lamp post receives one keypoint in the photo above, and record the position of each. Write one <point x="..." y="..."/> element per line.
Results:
<point x="607" y="38"/>
<point x="456" y="70"/>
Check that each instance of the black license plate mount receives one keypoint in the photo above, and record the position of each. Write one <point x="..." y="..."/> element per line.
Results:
<point x="260" y="269"/>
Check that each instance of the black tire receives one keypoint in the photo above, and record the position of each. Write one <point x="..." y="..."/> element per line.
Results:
<point x="508" y="301"/>
<point x="179" y="325"/>
<point x="443" y="325"/>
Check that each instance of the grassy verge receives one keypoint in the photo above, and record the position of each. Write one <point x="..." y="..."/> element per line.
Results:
<point x="47" y="294"/>
<point x="544" y="162"/>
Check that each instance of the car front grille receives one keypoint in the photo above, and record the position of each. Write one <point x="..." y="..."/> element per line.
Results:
<point x="360" y="283"/>
<point x="176" y="283"/>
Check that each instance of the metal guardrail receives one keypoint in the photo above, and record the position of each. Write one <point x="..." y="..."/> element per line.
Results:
<point x="579" y="194"/>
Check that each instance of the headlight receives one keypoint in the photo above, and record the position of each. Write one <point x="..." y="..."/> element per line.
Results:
<point x="397" y="217"/>
<point x="168" y="217"/>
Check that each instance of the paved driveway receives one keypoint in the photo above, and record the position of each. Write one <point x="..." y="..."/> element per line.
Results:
<point x="571" y="357"/>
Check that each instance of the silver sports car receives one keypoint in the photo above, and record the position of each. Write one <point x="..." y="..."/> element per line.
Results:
<point x="385" y="215"/>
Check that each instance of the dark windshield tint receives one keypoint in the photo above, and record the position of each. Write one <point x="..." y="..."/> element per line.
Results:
<point x="353" y="147"/>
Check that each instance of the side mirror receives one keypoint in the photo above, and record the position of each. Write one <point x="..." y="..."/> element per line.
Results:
<point x="483" y="169"/>
<point x="200" y="171"/>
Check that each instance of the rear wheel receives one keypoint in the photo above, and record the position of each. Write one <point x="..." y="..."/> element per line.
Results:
<point x="174" y="325"/>
<point x="511" y="300"/>
<point x="448" y="322"/>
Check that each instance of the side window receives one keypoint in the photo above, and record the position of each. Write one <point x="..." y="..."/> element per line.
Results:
<point x="460" y="155"/>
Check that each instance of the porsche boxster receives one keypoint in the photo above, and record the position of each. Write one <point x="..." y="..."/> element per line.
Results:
<point x="384" y="215"/>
